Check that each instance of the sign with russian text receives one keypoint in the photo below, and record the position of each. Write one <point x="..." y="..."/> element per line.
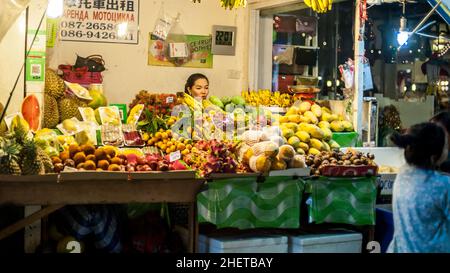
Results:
<point x="104" y="21"/>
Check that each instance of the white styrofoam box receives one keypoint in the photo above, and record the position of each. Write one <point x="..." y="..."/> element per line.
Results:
<point x="388" y="156"/>
<point x="243" y="244"/>
<point x="326" y="243"/>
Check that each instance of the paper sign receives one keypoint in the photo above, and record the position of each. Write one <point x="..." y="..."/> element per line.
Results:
<point x="175" y="156"/>
<point x="367" y="77"/>
<point x="178" y="50"/>
<point x="111" y="21"/>
<point x="169" y="99"/>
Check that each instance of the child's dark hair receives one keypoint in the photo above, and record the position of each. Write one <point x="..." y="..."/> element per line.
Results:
<point x="442" y="118"/>
<point x="423" y="144"/>
<point x="192" y="79"/>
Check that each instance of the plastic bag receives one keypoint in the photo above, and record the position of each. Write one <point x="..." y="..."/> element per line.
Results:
<point x="177" y="48"/>
<point x="163" y="25"/>
<point x="88" y="114"/>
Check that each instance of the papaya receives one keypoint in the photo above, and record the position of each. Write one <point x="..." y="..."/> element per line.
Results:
<point x="31" y="112"/>
<point x="326" y="110"/>
<point x="284" y="119"/>
<point x="325" y="146"/>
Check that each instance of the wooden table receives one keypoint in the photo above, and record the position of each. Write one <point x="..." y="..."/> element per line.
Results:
<point x="55" y="191"/>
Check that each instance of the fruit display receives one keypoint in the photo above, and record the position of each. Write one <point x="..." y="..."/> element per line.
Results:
<point x="158" y="104"/>
<point x="132" y="136"/>
<point x="31" y="112"/>
<point x="111" y="135"/>
<point x="319" y="6"/>
<point x="267" y="98"/>
<point x="68" y="107"/>
<point x="229" y="104"/>
<point x="265" y="150"/>
<point x="212" y="156"/>
<point x="308" y="128"/>
<point x="21" y="155"/>
<point x="345" y="161"/>
<point x="167" y="143"/>
<point x="109" y="158"/>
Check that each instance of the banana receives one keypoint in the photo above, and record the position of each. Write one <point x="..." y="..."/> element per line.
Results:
<point x="321" y="6"/>
<point x="308" y="3"/>
<point x="314" y="5"/>
<point x="329" y="4"/>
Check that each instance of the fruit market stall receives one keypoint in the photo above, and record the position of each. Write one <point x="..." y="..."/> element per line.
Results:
<point x="162" y="147"/>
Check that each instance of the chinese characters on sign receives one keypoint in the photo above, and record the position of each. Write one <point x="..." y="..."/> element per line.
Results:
<point x="110" y="21"/>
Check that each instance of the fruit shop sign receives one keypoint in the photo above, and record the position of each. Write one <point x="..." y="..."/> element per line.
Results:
<point x="102" y="21"/>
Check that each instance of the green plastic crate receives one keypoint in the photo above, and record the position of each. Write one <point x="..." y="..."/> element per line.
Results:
<point x="342" y="200"/>
<point x="245" y="204"/>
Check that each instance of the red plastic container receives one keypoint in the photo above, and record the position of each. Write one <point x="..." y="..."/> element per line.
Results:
<point x="349" y="171"/>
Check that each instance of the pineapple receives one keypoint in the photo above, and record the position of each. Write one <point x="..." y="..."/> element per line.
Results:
<point x="9" y="152"/>
<point x="30" y="161"/>
<point x="45" y="159"/>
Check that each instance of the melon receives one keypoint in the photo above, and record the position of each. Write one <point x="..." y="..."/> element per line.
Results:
<point x="31" y="112"/>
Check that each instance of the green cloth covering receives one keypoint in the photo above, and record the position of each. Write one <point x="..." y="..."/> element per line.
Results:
<point x="346" y="139"/>
<point x="343" y="200"/>
<point x="245" y="204"/>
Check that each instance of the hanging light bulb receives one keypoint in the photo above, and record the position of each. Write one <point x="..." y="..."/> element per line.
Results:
<point x="403" y="34"/>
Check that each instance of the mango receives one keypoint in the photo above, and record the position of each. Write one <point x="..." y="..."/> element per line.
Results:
<point x="326" y="110"/>
<point x="303" y="136"/>
<point x="303" y="146"/>
<point x="278" y="164"/>
<point x="315" y="143"/>
<point x="294" y="141"/>
<point x="284" y="119"/>
<point x="294" y="118"/>
<point x="315" y="132"/>
<point x="304" y="119"/>
<point x="301" y="151"/>
<point x="325" y="146"/>
<point x="334" y="144"/>
<point x="324" y="124"/>
<point x="326" y="117"/>
<point x="292" y="111"/>
<point x="316" y="110"/>
<point x="305" y="106"/>
<point x="287" y="133"/>
<point x="292" y="126"/>
<point x="311" y="117"/>
<point x="313" y="151"/>
<point x="337" y="126"/>
<point x="327" y="134"/>
<point x="348" y="126"/>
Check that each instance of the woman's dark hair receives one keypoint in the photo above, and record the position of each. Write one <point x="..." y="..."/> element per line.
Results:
<point x="442" y="118"/>
<point x="423" y="144"/>
<point x="192" y="79"/>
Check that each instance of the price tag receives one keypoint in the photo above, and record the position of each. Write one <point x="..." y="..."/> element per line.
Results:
<point x="175" y="156"/>
<point x="169" y="99"/>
